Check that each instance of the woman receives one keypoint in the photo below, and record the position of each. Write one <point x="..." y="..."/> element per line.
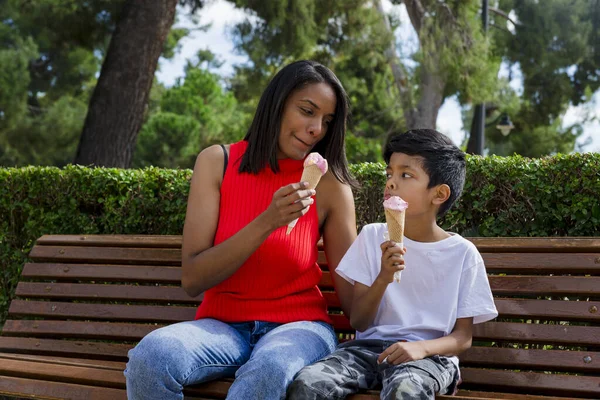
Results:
<point x="263" y="317"/>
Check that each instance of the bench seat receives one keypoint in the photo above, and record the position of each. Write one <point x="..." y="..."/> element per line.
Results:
<point x="84" y="301"/>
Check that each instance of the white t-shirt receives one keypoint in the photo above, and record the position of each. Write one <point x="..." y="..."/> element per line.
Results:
<point x="442" y="281"/>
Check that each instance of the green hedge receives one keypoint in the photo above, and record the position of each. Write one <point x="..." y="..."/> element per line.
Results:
<point x="513" y="196"/>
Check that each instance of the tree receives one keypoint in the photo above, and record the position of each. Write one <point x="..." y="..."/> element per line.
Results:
<point x="51" y="55"/>
<point x="357" y="41"/>
<point x="117" y="107"/>
<point x="557" y="49"/>
<point x="47" y="67"/>
<point x="192" y="115"/>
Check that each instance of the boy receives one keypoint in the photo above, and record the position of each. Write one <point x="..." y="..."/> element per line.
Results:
<point x="408" y="333"/>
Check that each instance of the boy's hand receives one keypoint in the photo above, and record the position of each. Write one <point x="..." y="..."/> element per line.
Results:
<point x="391" y="261"/>
<point x="401" y="352"/>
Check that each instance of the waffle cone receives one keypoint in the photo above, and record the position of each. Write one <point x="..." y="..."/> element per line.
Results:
<point x="395" y="224"/>
<point x="311" y="174"/>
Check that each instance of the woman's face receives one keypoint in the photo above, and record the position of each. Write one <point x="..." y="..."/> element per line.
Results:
<point x="307" y="113"/>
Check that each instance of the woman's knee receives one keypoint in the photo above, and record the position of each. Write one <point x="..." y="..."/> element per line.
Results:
<point x="156" y="351"/>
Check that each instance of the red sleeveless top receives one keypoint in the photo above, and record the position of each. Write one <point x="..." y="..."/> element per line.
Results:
<point x="278" y="282"/>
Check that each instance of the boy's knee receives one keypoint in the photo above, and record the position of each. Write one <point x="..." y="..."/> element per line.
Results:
<point x="411" y="389"/>
<point x="298" y="390"/>
<point x="311" y="383"/>
<point x="303" y="386"/>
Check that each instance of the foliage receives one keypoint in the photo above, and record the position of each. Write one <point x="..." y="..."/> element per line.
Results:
<point x="349" y="40"/>
<point x="513" y="196"/>
<point x="192" y="115"/>
<point x="555" y="47"/>
<point x="50" y="56"/>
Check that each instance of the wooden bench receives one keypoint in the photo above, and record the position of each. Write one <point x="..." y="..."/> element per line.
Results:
<point x="86" y="300"/>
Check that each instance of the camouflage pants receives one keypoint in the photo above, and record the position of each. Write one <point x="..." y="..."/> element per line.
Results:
<point x="353" y="366"/>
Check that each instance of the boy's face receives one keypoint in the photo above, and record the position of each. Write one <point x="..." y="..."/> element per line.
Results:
<point x="407" y="179"/>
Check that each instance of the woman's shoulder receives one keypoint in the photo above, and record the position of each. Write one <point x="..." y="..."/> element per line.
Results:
<point x="329" y="182"/>
<point x="209" y="155"/>
<point x="210" y="162"/>
<point x="332" y="190"/>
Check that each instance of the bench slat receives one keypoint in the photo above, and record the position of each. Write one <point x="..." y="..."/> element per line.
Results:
<point x="501" y="285"/>
<point x="545" y="262"/>
<point x="515" y="308"/>
<point x="124" y="255"/>
<point x="526" y="285"/>
<point x="502" y="331"/>
<point x="155" y="241"/>
<point x="537" y="245"/>
<point x="580" y="263"/>
<point x="66" y="348"/>
<point x="514" y="332"/>
<point x="76" y="362"/>
<point x="107" y="273"/>
<point x="109" y="312"/>
<point x="532" y="382"/>
<point x="472" y="394"/>
<point x="103" y="330"/>
<point x="43" y="390"/>
<point x="63" y="373"/>
<point x="549" y="309"/>
<point x="514" y="244"/>
<point x="556" y="360"/>
<point x="545" y="285"/>
<point x="81" y="291"/>
<point x="78" y="329"/>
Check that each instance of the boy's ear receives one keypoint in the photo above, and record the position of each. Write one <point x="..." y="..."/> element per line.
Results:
<point x="441" y="194"/>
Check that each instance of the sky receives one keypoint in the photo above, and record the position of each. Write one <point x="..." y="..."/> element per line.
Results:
<point x="223" y="16"/>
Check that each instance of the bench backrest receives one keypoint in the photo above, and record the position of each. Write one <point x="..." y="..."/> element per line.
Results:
<point x="96" y="296"/>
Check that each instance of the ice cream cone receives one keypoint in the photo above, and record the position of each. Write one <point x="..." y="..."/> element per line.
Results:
<point x="311" y="174"/>
<point x="395" y="210"/>
<point x="395" y="223"/>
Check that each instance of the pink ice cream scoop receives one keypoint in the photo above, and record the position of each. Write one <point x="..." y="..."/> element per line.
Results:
<point x="316" y="159"/>
<point x="315" y="167"/>
<point x="395" y="203"/>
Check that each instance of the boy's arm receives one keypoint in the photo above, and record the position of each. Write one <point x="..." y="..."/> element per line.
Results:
<point x="365" y="304"/>
<point x="366" y="299"/>
<point x="455" y="343"/>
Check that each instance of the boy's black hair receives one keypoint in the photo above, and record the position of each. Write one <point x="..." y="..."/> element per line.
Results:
<point x="263" y="134"/>
<point x="442" y="160"/>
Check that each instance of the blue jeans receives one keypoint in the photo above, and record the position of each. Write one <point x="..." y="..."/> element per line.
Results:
<point x="264" y="357"/>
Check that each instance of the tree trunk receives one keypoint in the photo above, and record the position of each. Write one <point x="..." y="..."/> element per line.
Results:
<point x="117" y="106"/>
<point x="431" y="84"/>
<point x="400" y="76"/>
<point x="430" y="100"/>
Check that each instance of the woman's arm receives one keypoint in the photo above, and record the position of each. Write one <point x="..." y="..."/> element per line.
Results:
<point x="205" y="265"/>
<point x="339" y="231"/>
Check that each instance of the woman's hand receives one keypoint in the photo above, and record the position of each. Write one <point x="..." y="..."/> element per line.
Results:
<point x="391" y="261"/>
<point x="289" y="202"/>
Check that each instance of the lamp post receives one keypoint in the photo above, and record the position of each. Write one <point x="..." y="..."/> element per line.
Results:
<point x="480" y="108"/>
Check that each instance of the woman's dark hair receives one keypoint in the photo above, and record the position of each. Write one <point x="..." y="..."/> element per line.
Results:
<point x="263" y="135"/>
